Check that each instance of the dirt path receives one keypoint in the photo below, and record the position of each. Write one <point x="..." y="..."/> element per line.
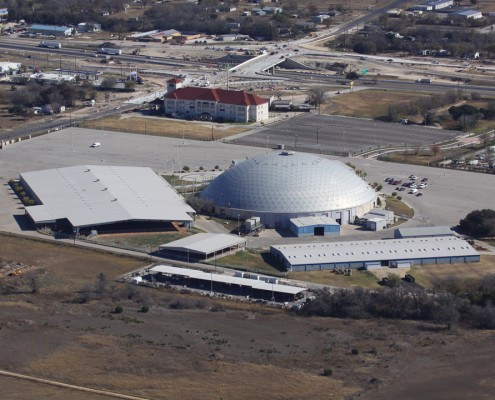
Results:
<point x="67" y="386"/>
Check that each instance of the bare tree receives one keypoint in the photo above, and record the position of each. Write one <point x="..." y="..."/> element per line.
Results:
<point x="315" y="96"/>
<point x="485" y="139"/>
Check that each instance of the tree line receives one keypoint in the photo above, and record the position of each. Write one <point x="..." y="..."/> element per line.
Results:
<point x="468" y="303"/>
<point x="419" y="33"/>
<point x="33" y="94"/>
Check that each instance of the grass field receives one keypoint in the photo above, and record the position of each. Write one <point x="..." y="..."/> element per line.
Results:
<point x="145" y="241"/>
<point x="241" y="351"/>
<point x="247" y="261"/>
<point x="68" y="267"/>
<point x="399" y="207"/>
<point x="426" y="275"/>
<point x="158" y="126"/>
<point x="358" y="278"/>
<point x="368" y="103"/>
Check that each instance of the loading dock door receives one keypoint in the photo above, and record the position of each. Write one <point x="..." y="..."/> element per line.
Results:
<point x="319" y="231"/>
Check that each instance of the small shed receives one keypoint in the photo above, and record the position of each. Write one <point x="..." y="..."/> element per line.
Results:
<point x="376" y="224"/>
<point x="377" y="219"/>
<point x="314" y="226"/>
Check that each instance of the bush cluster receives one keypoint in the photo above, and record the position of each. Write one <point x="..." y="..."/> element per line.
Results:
<point x="450" y="302"/>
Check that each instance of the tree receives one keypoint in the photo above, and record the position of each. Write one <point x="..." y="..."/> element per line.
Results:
<point x="485" y="139"/>
<point x="315" y="96"/>
<point x="352" y="75"/>
<point x="479" y="223"/>
<point x="435" y="149"/>
<point x="365" y="47"/>
<point x="101" y="284"/>
<point x="108" y="83"/>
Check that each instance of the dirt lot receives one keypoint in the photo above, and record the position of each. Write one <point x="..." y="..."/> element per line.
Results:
<point x="180" y="349"/>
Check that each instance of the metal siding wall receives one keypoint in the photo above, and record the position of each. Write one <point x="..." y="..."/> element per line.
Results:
<point x="443" y="260"/>
<point x="332" y="228"/>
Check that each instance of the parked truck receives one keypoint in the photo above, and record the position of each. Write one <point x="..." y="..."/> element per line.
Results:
<point x="110" y="51"/>
<point x="50" y="45"/>
<point x="424" y="80"/>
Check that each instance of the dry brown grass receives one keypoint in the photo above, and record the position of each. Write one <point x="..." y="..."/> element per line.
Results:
<point x="426" y="275"/>
<point x="368" y="103"/>
<point x="69" y="267"/>
<point x="246" y="352"/>
<point x="157" y="126"/>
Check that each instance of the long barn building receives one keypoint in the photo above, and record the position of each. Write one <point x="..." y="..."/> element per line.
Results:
<point x="374" y="253"/>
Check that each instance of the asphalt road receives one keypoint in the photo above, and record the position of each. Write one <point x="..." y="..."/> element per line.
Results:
<point x="450" y="196"/>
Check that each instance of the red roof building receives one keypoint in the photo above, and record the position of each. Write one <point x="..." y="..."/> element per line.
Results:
<point x="229" y="105"/>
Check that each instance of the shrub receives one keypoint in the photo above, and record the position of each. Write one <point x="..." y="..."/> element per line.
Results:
<point x="327" y="372"/>
<point x="394" y="194"/>
<point x="145" y="309"/>
<point x="118" y="310"/>
<point x="186" y="168"/>
<point x="354" y="352"/>
<point x="399" y="198"/>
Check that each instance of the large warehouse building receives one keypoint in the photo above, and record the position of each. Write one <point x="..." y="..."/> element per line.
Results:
<point x="396" y="253"/>
<point x="93" y="197"/>
<point x="279" y="186"/>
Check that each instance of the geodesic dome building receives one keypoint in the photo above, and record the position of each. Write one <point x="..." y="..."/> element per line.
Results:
<point x="280" y="186"/>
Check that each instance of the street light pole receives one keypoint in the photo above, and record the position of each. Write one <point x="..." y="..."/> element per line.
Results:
<point x="238" y="225"/>
<point x="317" y="136"/>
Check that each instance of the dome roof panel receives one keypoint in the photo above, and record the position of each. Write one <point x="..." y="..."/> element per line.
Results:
<point x="289" y="183"/>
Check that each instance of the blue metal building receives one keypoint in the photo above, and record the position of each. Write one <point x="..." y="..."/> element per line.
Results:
<point x="369" y="254"/>
<point x="314" y="226"/>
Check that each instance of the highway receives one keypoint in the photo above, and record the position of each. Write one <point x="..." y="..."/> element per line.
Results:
<point x="389" y="84"/>
<point x="251" y="71"/>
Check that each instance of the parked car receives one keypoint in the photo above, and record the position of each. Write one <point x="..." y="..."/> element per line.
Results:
<point x="413" y="177"/>
<point x="422" y="185"/>
<point x="424" y="180"/>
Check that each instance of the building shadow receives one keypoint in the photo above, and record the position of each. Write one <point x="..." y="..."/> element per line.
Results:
<point x="24" y="223"/>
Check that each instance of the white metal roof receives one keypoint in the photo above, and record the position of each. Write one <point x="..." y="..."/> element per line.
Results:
<point x="228" y="279"/>
<point x="91" y="195"/>
<point x="7" y="66"/>
<point x="375" y="250"/>
<point x="204" y="243"/>
<point x="425" y="231"/>
<point x="310" y="221"/>
<point x="288" y="182"/>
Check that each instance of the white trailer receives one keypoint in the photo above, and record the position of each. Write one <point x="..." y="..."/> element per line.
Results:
<point x="50" y="45"/>
<point x="110" y="51"/>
